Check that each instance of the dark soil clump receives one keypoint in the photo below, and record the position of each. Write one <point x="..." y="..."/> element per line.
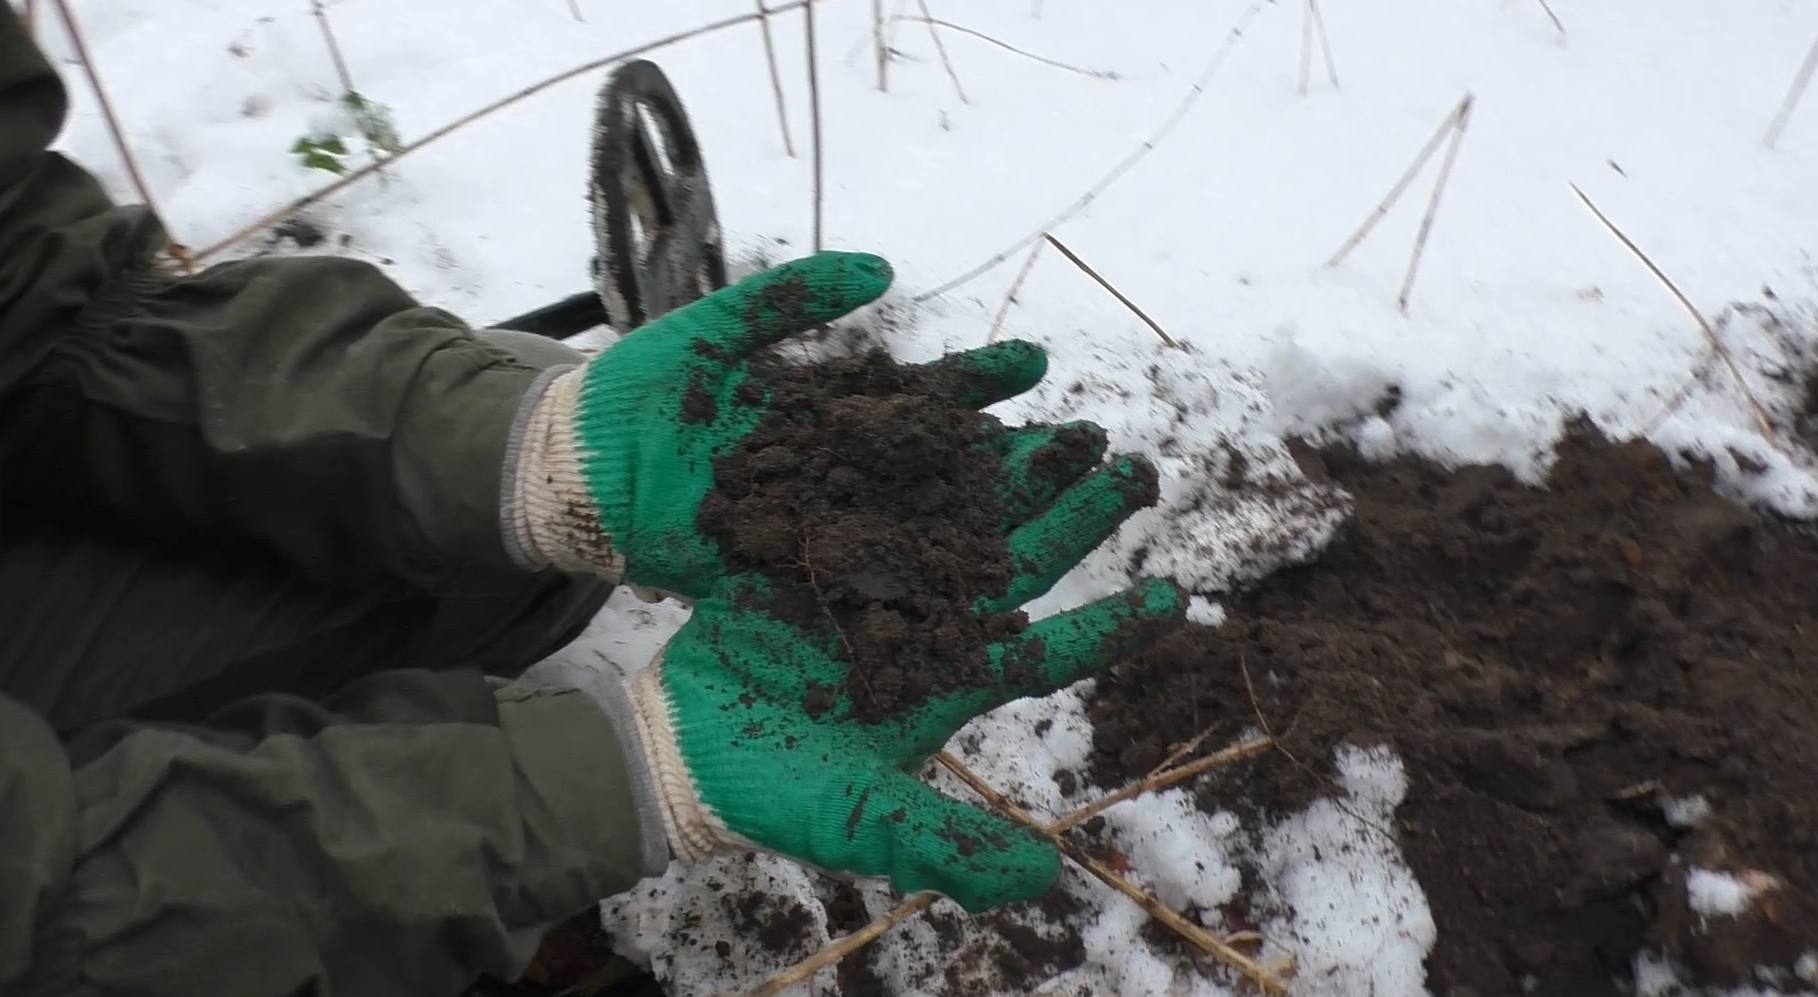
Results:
<point x="871" y="499"/>
<point x="1555" y="667"/>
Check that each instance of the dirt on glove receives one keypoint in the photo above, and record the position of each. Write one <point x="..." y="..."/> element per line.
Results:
<point x="871" y="499"/>
<point x="1597" y="687"/>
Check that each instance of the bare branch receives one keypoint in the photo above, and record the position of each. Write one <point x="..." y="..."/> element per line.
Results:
<point x="1015" y="286"/>
<point x="1794" y="93"/>
<point x="1401" y="185"/>
<point x="1710" y="334"/>
<point x="941" y="47"/>
<point x="844" y="946"/>
<point x="814" y="113"/>
<point x="776" y="78"/>
<point x="1439" y="189"/>
<point x="334" y="48"/>
<point x="1180" y="113"/>
<point x="1119" y="295"/>
<point x="171" y="246"/>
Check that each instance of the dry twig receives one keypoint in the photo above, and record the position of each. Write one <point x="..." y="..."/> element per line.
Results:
<point x="574" y="7"/>
<point x="1163" y="779"/>
<point x="1794" y="93"/>
<point x="1558" y="25"/>
<point x="1015" y="286"/>
<point x="1006" y="46"/>
<point x="76" y="39"/>
<point x="814" y="115"/>
<point x="1401" y="185"/>
<point x="776" y="78"/>
<point x="878" y="45"/>
<point x="1439" y="189"/>
<point x="848" y="944"/>
<point x="1325" y="41"/>
<point x="1710" y="334"/>
<point x="1180" y="113"/>
<point x="1107" y="285"/>
<point x="845" y="945"/>
<point x="1211" y="944"/>
<point x="334" y="47"/>
<point x="941" y="47"/>
<point x="355" y="176"/>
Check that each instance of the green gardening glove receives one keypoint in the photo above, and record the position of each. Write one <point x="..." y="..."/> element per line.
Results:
<point x="738" y="763"/>
<point x="609" y="462"/>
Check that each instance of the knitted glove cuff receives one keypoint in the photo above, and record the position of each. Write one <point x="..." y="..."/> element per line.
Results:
<point x="549" y="517"/>
<point x="695" y="832"/>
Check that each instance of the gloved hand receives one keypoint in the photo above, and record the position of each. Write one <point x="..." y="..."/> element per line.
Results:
<point x="610" y="461"/>
<point x="739" y="763"/>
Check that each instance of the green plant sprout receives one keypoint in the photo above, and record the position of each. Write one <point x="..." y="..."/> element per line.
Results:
<point x="372" y="123"/>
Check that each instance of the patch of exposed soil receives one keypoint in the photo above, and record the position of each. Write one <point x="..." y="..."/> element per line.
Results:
<point x="1555" y="666"/>
<point x="870" y="496"/>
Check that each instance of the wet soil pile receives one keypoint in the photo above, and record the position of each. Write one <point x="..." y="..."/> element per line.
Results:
<point x="870" y="496"/>
<point x="1564" y="671"/>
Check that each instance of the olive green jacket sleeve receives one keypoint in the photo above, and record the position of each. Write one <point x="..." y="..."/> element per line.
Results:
<point x="412" y="832"/>
<point x="305" y="404"/>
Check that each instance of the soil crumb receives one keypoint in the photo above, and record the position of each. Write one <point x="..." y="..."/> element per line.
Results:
<point x="870" y="497"/>
<point x="1603" y="689"/>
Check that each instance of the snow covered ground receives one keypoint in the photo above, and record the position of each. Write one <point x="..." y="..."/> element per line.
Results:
<point x="1524" y="311"/>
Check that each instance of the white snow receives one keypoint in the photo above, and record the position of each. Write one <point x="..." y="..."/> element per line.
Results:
<point x="1686" y="811"/>
<point x="1524" y="311"/>
<point x="1714" y="893"/>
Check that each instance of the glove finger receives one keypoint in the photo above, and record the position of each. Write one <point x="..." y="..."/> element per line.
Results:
<point x="1041" y="461"/>
<point x="990" y="374"/>
<point x="768" y="307"/>
<point x="1048" y="546"/>
<point x="1054" y="653"/>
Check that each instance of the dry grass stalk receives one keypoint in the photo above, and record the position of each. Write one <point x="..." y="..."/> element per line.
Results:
<point x="334" y="47"/>
<point x="31" y="17"/>
<point x="1401" y="185"/>
<point x="1710" y="334"/>
<point x="1129" y="162"/>
<point x="1306" y="47"/>
<point x="814" y="115"/>
<point x="1016" y="285"/>
<point x="1794" y="93"/>
<point x="1006" y="46"/>
<point x="1558" y="25"/>
<point x="776" y="78"/>
<point x="574" y="7"/>
<point x="175" y="249"/>
<point x="1164" y="778"/>
<point x="941" y="47"/>
<point x="1439" y="189"/>
<point x="878" y="45"/>
<point x="845" y="945"/>
<point x="1211" y="944"/>
<point x="355" y="176"/>
<point x="1325" y="41"/>
<point x="848" y="944"/>
<point x="1119" y="295"/>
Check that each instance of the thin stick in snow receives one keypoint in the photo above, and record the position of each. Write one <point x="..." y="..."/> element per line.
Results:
<point x="1325" y="42"/>
<point x="1710" y="334"/>
<point x="878" y="45"/>
<point x="31" y="17"/>
<point x="1006" y="46"/>
<point x="355" y="176"/>
<point x="334" y="48"/>
<point x="941" y="47"/>
<point x="1401" y="185"/>
<point x="76" y="39"/>
<point x="1558" y="25"/>
<point x="1439" y="189"/>
<point x="1264" y="977"/>
<point x="1015" y="286"/>
<point x="847" y="944"/>
<point x="574" y="7"/>
<point x="1801" y="80"/>
<point x="1119" y="295"/>
<point x="1306" y="47"/>
<point x="1124" y="166"/>
<point x="776" y="78"/>
<point x="814" y="113"/>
